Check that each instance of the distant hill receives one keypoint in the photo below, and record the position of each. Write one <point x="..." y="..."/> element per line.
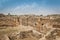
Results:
<point x="54" y="15"/>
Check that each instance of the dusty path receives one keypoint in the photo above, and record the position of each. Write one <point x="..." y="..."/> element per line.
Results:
<point x="19" y="28"/>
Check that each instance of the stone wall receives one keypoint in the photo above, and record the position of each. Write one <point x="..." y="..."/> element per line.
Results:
<point x="8" y="21"/>
<point x="34" y="21"/>
<point x="26" y="20"/>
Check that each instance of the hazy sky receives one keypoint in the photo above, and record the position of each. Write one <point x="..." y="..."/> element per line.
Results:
<point x="30" y="7"/>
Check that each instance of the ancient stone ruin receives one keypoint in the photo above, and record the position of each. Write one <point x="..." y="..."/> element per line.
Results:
<point x="29" y="27"/>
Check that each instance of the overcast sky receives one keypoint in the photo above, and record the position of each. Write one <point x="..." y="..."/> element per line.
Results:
<point x="38" y="7"/>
